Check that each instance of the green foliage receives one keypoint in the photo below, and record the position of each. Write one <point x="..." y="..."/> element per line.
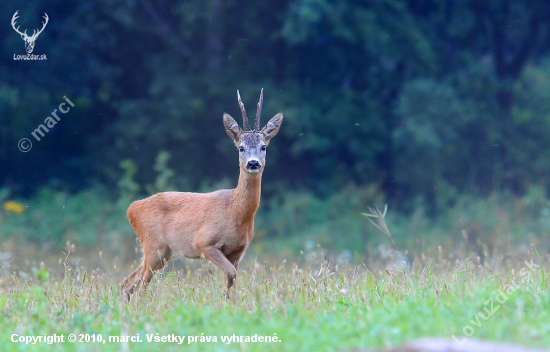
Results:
<point x="127" y="186"/>
<point x="41" y="274"/>
<point x="466" y="141"/>
<point x="427" y="137"/>
<point x="164" y="176"/>
<point x="296" y="219"/>
<point x="52" y="217"/>
<point x="431" y="101"/>
<point x="375" y="92"/>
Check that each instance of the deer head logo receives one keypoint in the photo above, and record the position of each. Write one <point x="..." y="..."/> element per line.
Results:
<point x="29" y="40"/>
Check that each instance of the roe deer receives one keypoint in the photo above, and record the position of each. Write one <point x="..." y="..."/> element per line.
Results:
<point x="218" y="225"/>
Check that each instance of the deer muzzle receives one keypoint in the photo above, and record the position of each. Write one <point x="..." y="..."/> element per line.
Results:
<point x="253" y="165"/>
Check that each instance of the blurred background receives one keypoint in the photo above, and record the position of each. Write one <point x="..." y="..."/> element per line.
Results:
<point x="440" y="109"/>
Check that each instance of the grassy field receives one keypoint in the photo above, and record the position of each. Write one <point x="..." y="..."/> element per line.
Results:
<point x="309" y="306"/>
<point x="335" y="284"/>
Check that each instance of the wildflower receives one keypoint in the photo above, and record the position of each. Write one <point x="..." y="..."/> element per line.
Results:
<point x="14" y="206"/>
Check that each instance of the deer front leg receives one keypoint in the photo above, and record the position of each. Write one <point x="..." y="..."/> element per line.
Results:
<point x="216" y="256"/>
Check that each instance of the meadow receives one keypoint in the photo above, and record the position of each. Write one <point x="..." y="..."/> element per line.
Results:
<point x="307" y="306"/>
<point x="453" y="283"/>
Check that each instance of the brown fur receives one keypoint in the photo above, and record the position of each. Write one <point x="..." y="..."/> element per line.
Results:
<point x="217" y="226"/>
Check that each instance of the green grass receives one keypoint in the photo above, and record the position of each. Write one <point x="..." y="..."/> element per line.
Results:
<point x="310" y="306"/>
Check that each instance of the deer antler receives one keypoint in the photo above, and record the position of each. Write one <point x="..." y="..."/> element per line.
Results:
<point x="13" y="19"/>
<point x="43" y="26"/>
<point x="259" y="111"/>
<point x="243" y="112"/>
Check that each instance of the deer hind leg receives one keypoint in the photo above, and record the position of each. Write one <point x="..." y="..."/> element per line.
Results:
<point x="127" y="290"/>
<point x="152" y="261"/>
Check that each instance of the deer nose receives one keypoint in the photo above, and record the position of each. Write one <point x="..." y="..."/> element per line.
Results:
<point x="253" y="165"/>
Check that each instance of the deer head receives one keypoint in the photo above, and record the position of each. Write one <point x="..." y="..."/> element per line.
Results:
<point x="29" y="40"/>
<point x="252" y="144"/>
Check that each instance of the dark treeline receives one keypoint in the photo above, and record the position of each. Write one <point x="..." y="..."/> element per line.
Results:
<point x="425" y="98"/>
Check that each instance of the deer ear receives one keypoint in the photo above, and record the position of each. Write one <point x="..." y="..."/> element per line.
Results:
<point x="272" y="128"/>
<point x="231" y="127"/>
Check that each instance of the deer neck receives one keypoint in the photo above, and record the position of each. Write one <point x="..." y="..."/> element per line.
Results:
<point x="246" y="197"/>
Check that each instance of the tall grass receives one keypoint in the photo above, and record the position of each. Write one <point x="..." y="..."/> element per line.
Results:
<point x="314" y="305"/>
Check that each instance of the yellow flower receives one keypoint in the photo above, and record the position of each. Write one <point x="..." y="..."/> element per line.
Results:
<point x="14" y="206"/>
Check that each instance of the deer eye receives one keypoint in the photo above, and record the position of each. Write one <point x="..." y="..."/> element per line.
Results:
<point x="263" y="148"/>
<point x="241" y="149"/>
